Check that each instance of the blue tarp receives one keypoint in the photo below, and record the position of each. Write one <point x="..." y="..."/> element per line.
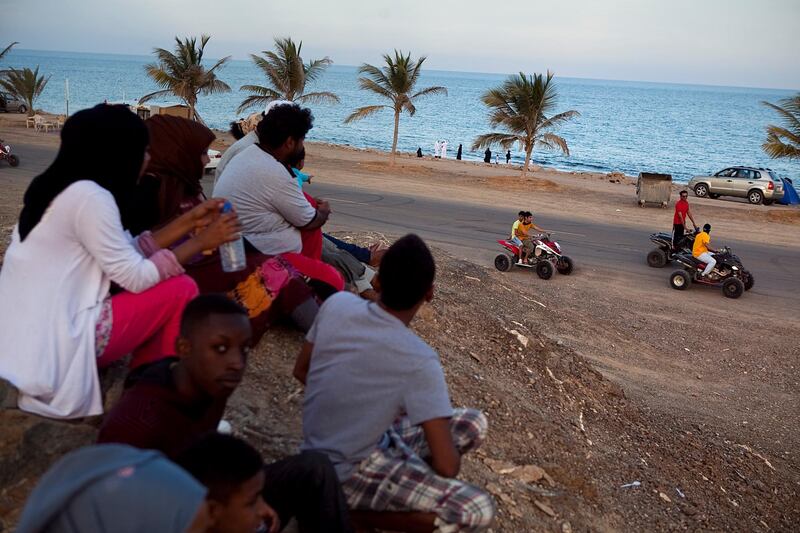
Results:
<point x="790" y="196"/>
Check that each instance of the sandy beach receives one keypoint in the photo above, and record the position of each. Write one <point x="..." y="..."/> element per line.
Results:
<point x="685" y="379"/>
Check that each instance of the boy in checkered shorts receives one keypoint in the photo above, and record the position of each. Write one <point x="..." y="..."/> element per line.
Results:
<point x="376" y="403"/>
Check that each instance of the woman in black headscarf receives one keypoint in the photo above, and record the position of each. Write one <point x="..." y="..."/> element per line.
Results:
<point x="58" y="321"/>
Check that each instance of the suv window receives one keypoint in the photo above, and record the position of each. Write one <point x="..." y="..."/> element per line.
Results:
<point x="774" y="176"/>
<point x="756" y="174"/>
<point x="743" y="173"/>
<point x="727" y="173"/>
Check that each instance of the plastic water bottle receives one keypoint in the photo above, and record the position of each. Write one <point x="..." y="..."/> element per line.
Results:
<point x="232" y="253"/>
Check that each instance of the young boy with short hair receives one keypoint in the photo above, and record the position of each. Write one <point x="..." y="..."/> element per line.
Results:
<point x="515" y="227"/>
<point x="376" y="403"/>
<point x="233" y="473"/>
<point x="173" y="403"/>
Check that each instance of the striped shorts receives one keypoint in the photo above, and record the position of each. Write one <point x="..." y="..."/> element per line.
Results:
<point x="397" y="478"/>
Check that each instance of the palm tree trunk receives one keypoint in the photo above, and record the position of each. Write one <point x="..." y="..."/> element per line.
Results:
<point x="394" y="139"/>
<point x="528" y="152"/>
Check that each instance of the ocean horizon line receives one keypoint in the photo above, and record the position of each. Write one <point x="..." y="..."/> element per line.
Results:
<point x="146" y="57"/>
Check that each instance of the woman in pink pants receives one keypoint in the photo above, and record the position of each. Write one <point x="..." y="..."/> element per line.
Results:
<point x="70" y="251"/>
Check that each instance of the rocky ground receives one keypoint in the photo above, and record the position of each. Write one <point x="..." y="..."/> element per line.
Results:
<point x="592" y="382"/>
<point x="567" y="451"/>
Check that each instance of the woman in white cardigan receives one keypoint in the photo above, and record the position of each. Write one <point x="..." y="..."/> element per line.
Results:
<point x="58" y="319"/>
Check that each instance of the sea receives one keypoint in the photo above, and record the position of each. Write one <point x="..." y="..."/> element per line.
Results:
<point x="624" y="126"/>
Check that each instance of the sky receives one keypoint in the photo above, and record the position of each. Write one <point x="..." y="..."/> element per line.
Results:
<point x="749" y="43"/>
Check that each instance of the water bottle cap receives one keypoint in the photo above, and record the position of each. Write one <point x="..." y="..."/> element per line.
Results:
<point x="227" y="207"/>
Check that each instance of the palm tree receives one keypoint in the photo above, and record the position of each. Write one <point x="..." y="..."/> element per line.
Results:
<point x="7" y="49"/>
<point x="287" y="76"/>
<point x="523" y="105"/>
<point x="25" y="84"/>
<point x="784" y="142"/>
<point x="394" y="82"/>
<point x="182" y="74"/>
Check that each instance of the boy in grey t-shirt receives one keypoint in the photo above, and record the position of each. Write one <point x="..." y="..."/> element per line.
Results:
<point x="376" y="403"/>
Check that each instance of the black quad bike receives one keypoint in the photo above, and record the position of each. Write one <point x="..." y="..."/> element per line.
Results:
<point x="663" y="253"/>
<point x="729" y="273"/>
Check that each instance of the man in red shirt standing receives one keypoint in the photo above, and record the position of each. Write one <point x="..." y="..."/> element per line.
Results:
<point x="679" y="220"/>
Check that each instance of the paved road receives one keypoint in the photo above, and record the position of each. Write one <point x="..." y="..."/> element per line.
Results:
<point x="614" y="251"/>
<point x="470" y="232"/>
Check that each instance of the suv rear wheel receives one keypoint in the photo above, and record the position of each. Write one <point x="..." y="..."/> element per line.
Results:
<point x="755" y="196"/>
<point x="701" y="190"/>
<point x="22" y="109"/>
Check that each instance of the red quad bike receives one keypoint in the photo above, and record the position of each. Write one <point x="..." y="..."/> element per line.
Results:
<point x="545" y="258"/>
<point x="6" y="155"/>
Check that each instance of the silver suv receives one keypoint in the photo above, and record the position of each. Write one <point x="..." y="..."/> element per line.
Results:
<point x="758" y="185"/>
<point x="11" y="104"/>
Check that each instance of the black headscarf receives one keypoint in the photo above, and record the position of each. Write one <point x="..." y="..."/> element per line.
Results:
<point x="104" y="144"/>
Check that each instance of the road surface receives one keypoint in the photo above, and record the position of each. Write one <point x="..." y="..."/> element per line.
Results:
<point x="470" y="232"/>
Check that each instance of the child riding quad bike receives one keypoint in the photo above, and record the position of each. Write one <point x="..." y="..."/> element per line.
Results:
<point x="6" y="155"/>
<point x="545" y="258"/>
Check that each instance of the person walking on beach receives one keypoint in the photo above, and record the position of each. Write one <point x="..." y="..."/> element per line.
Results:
<point x="487" y="156"/>
<point x="508" y="157"/>
<point x="419" y="151"/>
<point x="679" y="220"/>
<point x="437" y="147"/>
<point x="444" y="149"/>
<point x="458" y="153"/>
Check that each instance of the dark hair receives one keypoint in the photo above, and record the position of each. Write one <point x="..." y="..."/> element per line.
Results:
<point x="282" y="122"/>
<point x="528" y="214"/>
<point x="406" y="273"/>
<point x="684" y="192"/>
<point x="104" y="144"/>
<point x="521" y="214"/>
<point x="205" y="305"/>
<point x="222" y="463"/>
<point x="707" y="227"/>
<point x="236" y="129"/>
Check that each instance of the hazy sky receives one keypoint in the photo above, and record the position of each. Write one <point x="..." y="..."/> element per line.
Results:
<point x="724" y="42"/>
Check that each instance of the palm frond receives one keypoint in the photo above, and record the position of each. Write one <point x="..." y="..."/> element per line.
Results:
<point x="487" y="140"/>
<point x="428" y="91"/>
<point x="7" y="49"/>
<point x="288" y="75"/>
<point x="784" y="142"/>
<point x="363" y="112"/>
<point x="153" y="96"/>
<point x="322" y="97"/>
<point x="25" y="84"/>
<point x="182" y="73"/>
<point x="553" y="142"/>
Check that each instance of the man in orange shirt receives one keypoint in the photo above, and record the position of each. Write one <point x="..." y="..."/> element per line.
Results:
<point x="702" y="251"/>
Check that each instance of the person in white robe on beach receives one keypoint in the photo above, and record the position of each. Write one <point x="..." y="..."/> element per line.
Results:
<point x="437" y="147"/>
<point x="444" y="149"/>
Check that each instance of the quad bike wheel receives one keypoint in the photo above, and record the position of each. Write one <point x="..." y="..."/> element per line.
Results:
<point x="657" y="258"/>
<point x="680" y="280"/>
<point x="732" y="287"/>
<point x="503" y="262"/>
<point x="13" y="160"/>
<point x="544" y="269"/>
<point x="748" y="280"/>
<point x="565" y="265"/>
